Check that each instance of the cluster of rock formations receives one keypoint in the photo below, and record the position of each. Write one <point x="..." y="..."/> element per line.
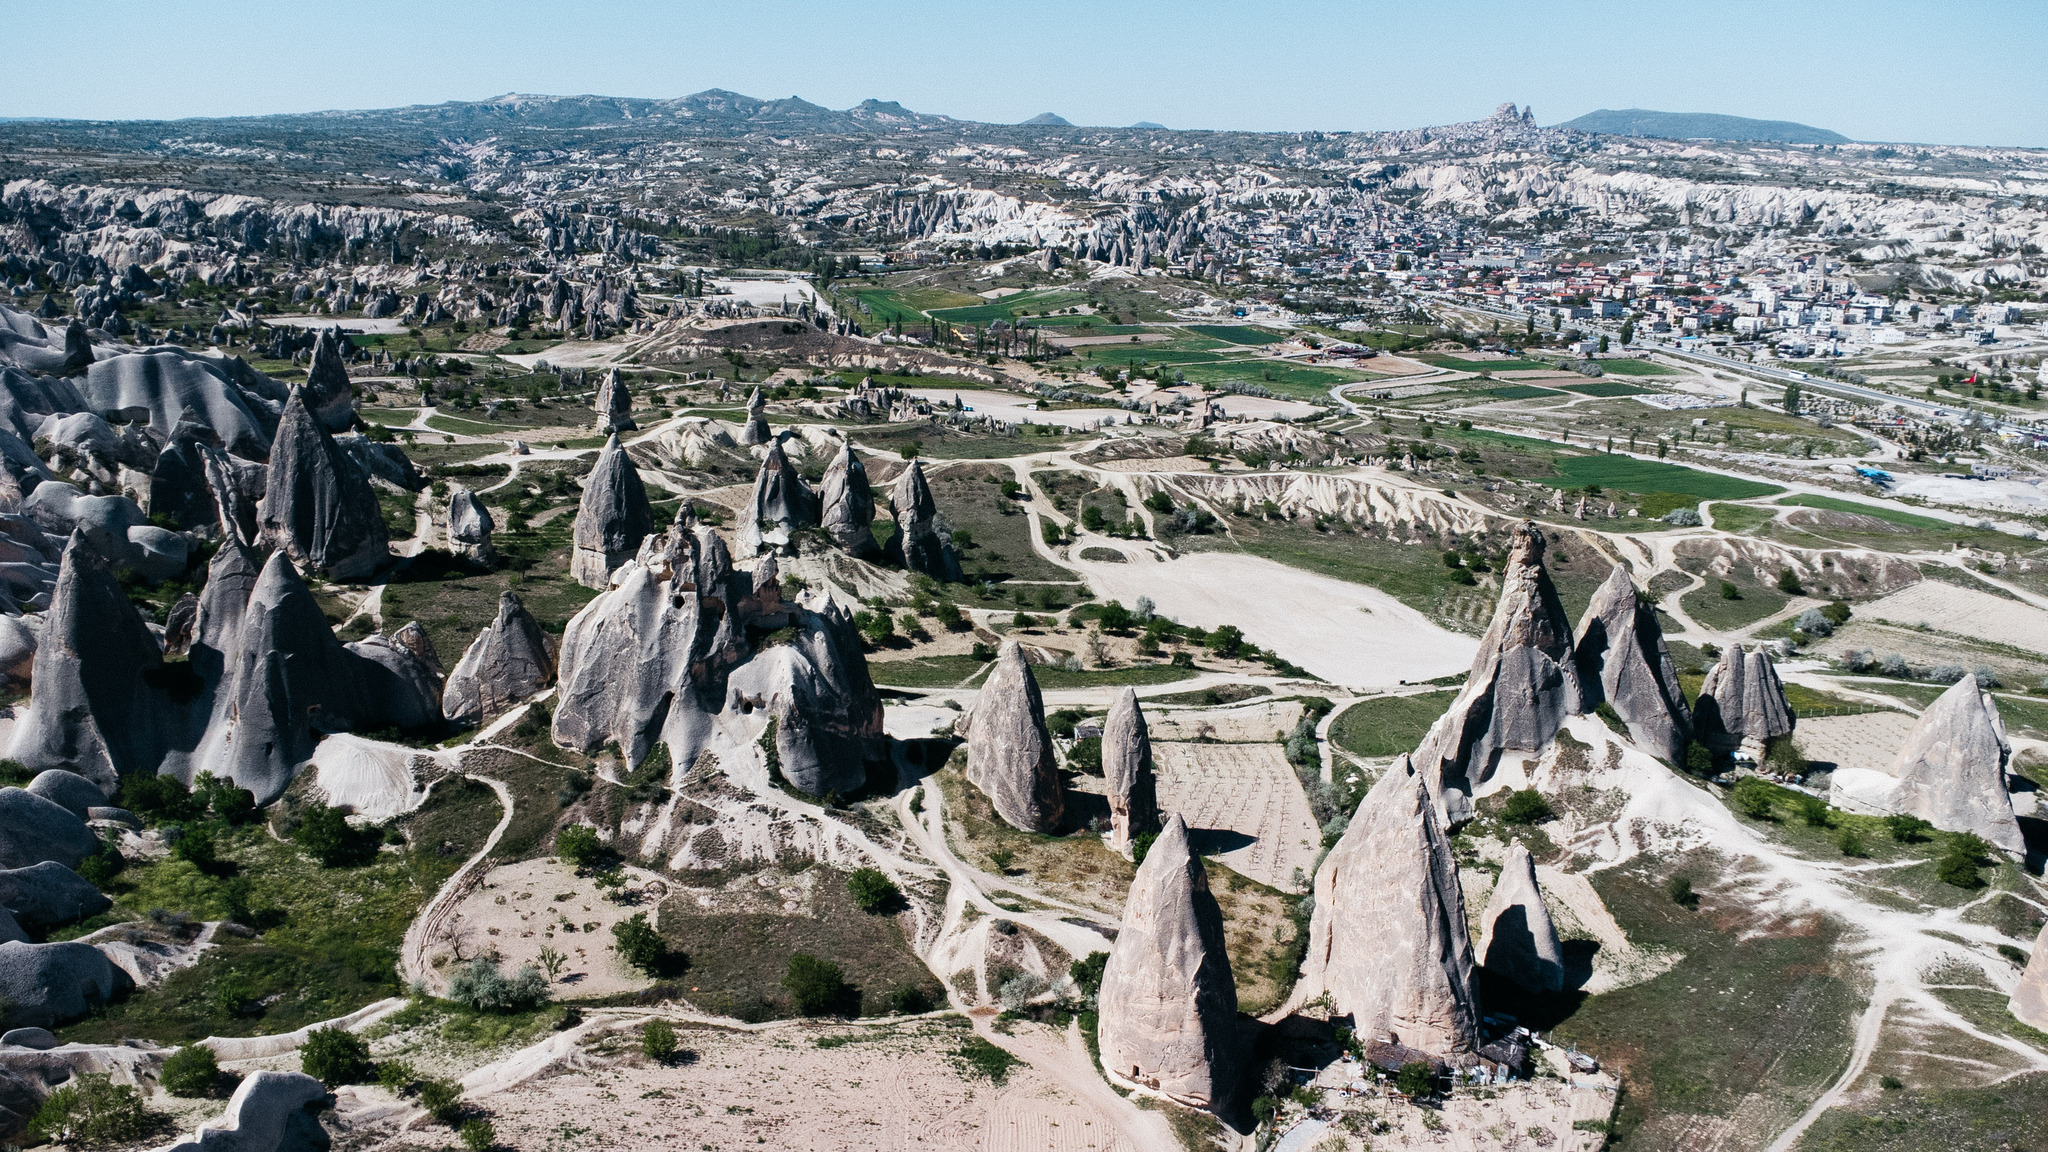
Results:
<point x="1742" y="703"/>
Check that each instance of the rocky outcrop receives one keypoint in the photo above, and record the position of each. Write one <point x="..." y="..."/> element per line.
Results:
<point x="1523" y="684"/>
<point x="2030" y="998"/>
<point x="114" y="525"/>
<point x="1623" y="661"/>
<point x="614" y="405"/>
<point x="782" y="503"/>
<point x="93" y="711"/>
<point x="1951" y="772"/>
<point x="317" y="503"/>
<point x="921" y="543"/>
<point x="1388" y="940"/>
<point x="329" y="395"/>
<point x="1168" y="1005"/>
<point x="70" y="791"/>
<point x="1127" y="772"/>
<point x="756" y="429"/>
<point x="46" y="895"/>
<point x="269" y="1112"/>
<point x="46" y="984"/>
<point x="816" y="686"/>
<point x="612" y="519"/>
<point x="469" y="525"/>
<point x="509" y="661"/>
<point x="34" y="830"/>
<point x="1742" y="701"/>
<point x="848" y="505"/>
<point x="175" y="389"/>
<point x="1517" y="939"/>
<point x="1009" y="751"/>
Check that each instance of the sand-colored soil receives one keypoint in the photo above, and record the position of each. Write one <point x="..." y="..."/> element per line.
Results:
<point x="1870" y="741"/>
<point x="1264" y="720"/>
<point x="1343" y="632"/>
<point x="521" y="908"/>
<point x="1245" y="806"/>
<point x="1946" y="607"/>
<point x="1522" y="1117"/>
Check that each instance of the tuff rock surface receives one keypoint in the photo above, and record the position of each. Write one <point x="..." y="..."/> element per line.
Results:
<point x="1951" y="771"/>
<point x="1127" y="772"/>
<point x="1388" y="939"/>
<point x="68" y="790"/>
<point x="46" y="895"/>
<point x="1742" y="701"/>
<point x="614" y="405"/>
<point x="34" y="830"/>
<point x="47" y="984"/>
<point x="1518" y="939"/>
<point x="329" y="396"/>
<point x="1523" y="684"/>
<point x="781" y="504"/>
<point x="1168" y="1004"/>
<point x="469" y="524"/>
<point x="1623" y="661"/>
<point x="269" y="1112"/>
<point x="509" y="661"/>
<point x="756" y="429"/>
<point x="921" y="543"/>
<point x="848" y="506"/>
<point x="612" y="519"/>
<point x="1009" y="751"/>
<point x="2030" y="999"/>
<point x="317" y="503"/>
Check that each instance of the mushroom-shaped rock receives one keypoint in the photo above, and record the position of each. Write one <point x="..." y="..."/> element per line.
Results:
<point x="329" y="396"/>
<point x="848" y="513"/>
<point x="469" y="524"/>
<point x="782" y="504"/>
<point x="509" y="661"/>
<point x="69" y="790"/>
<point x="1387" y="940"/>
<point x="1623" y="660"/>
<point x="1742" y="701"/>
<point x="756" y="430"/>
<point x="2030" y="997"/>
<point x="45" y="984"/>
<point x="33" y="830"/>
<point x="1518" y="939"/>
<point x="921" y="543"/>
<point x="46" y="895"/>
<point x="92" y="711"/>
<point x="1168" y="1005"/>
<point x="1951" y="771"/>
<point x="269" y="1112"/>
<point x="1523" y="684"/>
<point x="317" y="502"/>
<point x="1009" y="751"/>
<point x="614" y="405"/>
<point x="612" y="519"/>
<point x="1127" y="772"/>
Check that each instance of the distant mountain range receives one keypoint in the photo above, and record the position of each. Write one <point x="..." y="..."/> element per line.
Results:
<point x="1699" y="126"/>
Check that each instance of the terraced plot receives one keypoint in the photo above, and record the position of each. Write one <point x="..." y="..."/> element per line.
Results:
<point x="1244" y="805"/>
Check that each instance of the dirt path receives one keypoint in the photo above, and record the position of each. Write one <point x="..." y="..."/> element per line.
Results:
<point x="419" y="935"/>
<point x="1068" y="1063"/>
<point x="1868" y="1029"/>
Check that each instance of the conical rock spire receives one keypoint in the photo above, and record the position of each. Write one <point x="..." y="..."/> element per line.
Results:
<point x="612" y="519"/>
<point x="1951" y="771"/>
<point x="1520" y="942"/>
<point x="1009" y="751"/>
<point x="1127" y="772"/>
<point x="1622" y="660"/>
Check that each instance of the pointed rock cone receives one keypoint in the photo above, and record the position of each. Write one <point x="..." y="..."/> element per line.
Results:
<point x="1742" y="701"/>
<point x="91" y="711"/>
<point x="756" y="429"/>
<point x="317" y="503"/>
<point x="1009" y="752"/>
<point x="1127" y="772"/>
<point x="469" y="525"/>
<point x="509" y="662"/>
<point x="1168" y="1006"/>
<point x="1951" y="771"/>
<point x="612" y="519"/>
<point x="1518" y="940"/>
<point x="1523" y="684"/>
<point x="782" y="504"/>
<point x="1622" y="659"/>
<point x="2030" y="999"/>
<point x="921" y="543"/>
<point x="77" y="350"/>
<point x="329" y="396"/>
<point x="1387" y="940"/>
<point x="848" y="507"/>
<point x="614" y="405"/>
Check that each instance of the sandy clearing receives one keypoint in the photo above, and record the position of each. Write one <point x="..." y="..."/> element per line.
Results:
<point x="915" y="721"/>
<point x="1015" y="407"/>
<point x="1265" y="408"/>
<point x="519" y="908"/>
<point x="1870" y="741"/>
<point x="1246" y="789"/>
<point x="1946" y="607"/>
<point x="1342" y="632"/>
<point x="1505" y="1117"/>
<point x="1264" y="720"/>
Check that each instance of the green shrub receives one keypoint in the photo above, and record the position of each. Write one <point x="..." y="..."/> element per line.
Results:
<point x="1679" y="888"/>
<point x="1753" y="798"/>
<point x="395" y="1075"/>
<point x="335" y="1057"/>
<point x="1087" y="973"/>
<point x="1788" y="582"/>
<point x="1699" y="760"/>
<point x="1730" y="591"/>
<point x="872" y="890"/>
<point x="190" y="1072"/>
<point x="1851" y="843"/>
<point x="1966" y="853"/>
<point x="1416" y="1078"/>
<point x="1814" y="812"/>
<point x="1526" y="807"/>
<point x="478" y="1135"/>
<point x="480" y="985"/>
<point x="1086" y="756"/>
<point x="985" y="1059"/>
<point x="816" y="987"/>
<point x="1907" y="829"/>
<point x="658" y="1041"/>
<point x="196" y="845"/>
<point x="639" y="945"/>
<point x="92" y="1110"/>
<point x="442" y="1099"/>
<point x="326" y="833"/>
<point x="100" y="868"/>
<point x="156" y="798"/>
<point x="578" y="845"/>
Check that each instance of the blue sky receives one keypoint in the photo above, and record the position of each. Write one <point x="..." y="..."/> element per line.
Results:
<point x="1954" y="71"/>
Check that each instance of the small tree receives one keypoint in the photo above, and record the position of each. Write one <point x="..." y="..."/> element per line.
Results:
<point x="191" y="1072"/>
<point x="483" y="987"/>
<point x="1753" y="798"/>
<point x="1416" y="1078"/>
<point x="578" y="845"/>
<point x="478" y="1135"/>
<point x="91" y="1110"/>
<point x="442" y="1099"/>
<point x="639" y="945"/>
<point x="551" y="961"/>
<point x="1681" y="893"/>
<point x="1907" y="829"/>
<point x="872" y="890"/>
<point x="1526" y="807"/>
<point x="326" y="834"/>
<point x="335" y="1057"/>
<point x="816" y="987"/>
<point x="658" y="1041"/>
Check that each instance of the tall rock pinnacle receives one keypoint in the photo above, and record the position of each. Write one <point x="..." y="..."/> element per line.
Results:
<point x="920" y="543"/>
<point x="1127" y="772"/>
<point x="1523" y="684"/>
<point x="1009" y="751"/>
<point x="1388" y="940"/>
<point x="614" y="405"/>
<point x="1951" y="771"/>
<point x="1742" y="701"/>
<point x="782" y="504"/>
<point x="318" y="506"/>
<point x="1622" y="659"/>
<point x="612" y="519"/>
<point x="848" y="512"/>
<point x="1168" y="1002"/>
<point x="329" y="395"/>
<point x="756" y="430"/>
<point x="509" y="661"/>
<point x="2030" y="998"/>
<point x="1520" y="941"/>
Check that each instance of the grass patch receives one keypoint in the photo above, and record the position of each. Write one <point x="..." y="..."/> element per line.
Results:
<point x="1457" y="365"/>
<point x="926" y="671"/>
<point x="1137" y="675"/>
<point x="1635" y="368"/>
<point x="1235" y="333"/>
<point x="1633" y="475"/>
<point x="1388" y="725"/>
<point x="1009" y="307"/>
<point x="1706" y="605"/>
<point x="1606" y="388"/>
<point x="1740" y="517"/>
<point x="2008" y="1115"/>
<point x="971" y="499"/>
<point x="1520" y="392"/>
<point x="1888" y="515"/>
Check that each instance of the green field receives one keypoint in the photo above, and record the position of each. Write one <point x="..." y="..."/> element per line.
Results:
<point x="1520" y="392"/>
<point x="1111" y="677"/>
<point x="1235" y="333"/>
<point x="926" y="671"/>
<point x="1009" y="307"/>
<point x="1388" y="725"/>
<point x="1740" y="517"/>
<point x="1287" y="380"/>
<point x="1607" y="388"/>
<point x="1889" y="515"/>
<point x="1457" y="365"/>
<point x="1632" y="475"/>
<point x="1635" y="368"/>
<point x="887" y="305"/>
